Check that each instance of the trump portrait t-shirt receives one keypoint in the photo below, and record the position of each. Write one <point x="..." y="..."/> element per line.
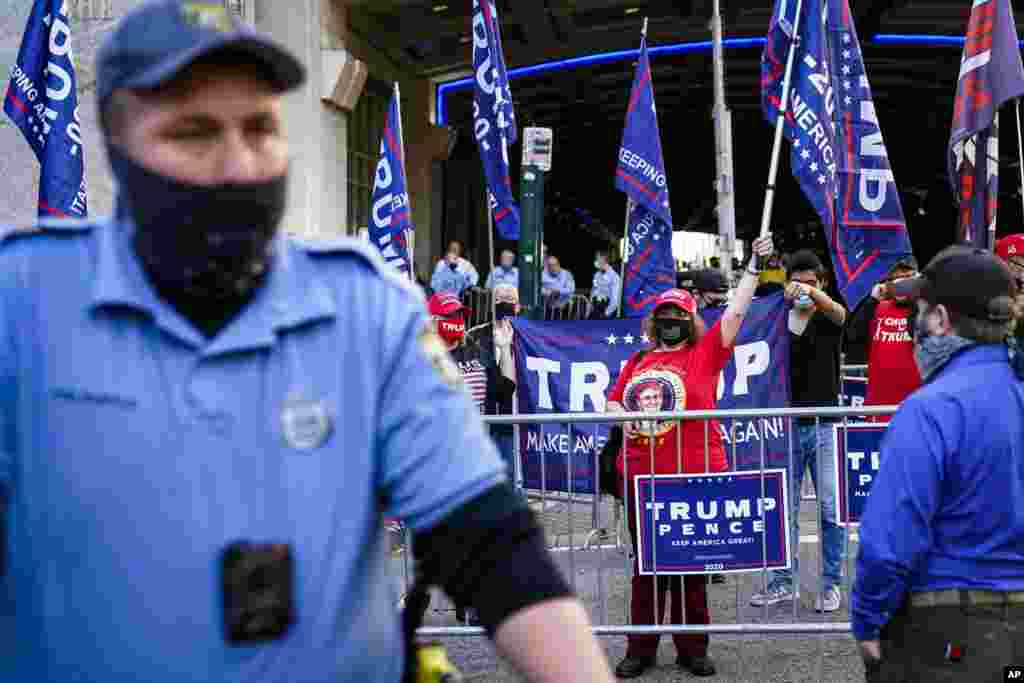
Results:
<point x="681" y="379"/>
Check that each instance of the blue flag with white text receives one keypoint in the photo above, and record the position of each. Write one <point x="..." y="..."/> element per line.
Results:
<point x="569" y="366"/>
<point x="650" y="268"/>
<point x="390" y="215"/>
<point x="837" y="153"/>
<point x="42" y="101"/>
<point x="494" y="121"/>
<point x="640" y="174"/>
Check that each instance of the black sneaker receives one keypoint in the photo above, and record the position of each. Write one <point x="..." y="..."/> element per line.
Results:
<point x="698" y="666"/>
<point x="632" y="667"/>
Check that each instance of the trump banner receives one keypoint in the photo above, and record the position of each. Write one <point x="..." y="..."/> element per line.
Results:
<point x="991" y="73"/>
<point x="837" y="154"/>
<point x="640" y="174"/>
<point x="390" y="216"/>
<point x="857" y="448"/>
<point x="569" y="366"/>
<point x="42" y="101"/>
<point x="494" y="119"/>
<point x="701" y="523"/>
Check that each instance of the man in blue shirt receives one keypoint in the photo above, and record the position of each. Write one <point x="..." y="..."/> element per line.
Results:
<point x="556" y="284"/>
<point x="505" y="273"/>
<point x="939" y="594"/>
<point x="450" y="277"/>
<point x="204" y="424"/>
<point x="453" y="262"/>
<point x="606" y="290"/>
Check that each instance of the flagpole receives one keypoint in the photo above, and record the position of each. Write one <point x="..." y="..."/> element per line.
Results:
<point x="773" y="170"/>
<point x="993" y="138"/>
<point x="490" y="247"/>
<point x="625" y="255"/>
<point x="1020" y="151"/>
<point x="401" y="146"/>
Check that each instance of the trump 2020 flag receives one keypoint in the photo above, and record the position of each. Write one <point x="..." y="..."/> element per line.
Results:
<point x="43" y="103"/>
<point x="389" y="203"/>
<point x="870" y="235"/>
<point x="990" y="74"/>
<point x="650" y="268"/>
<point x="837" y="154"/>
<point x="494" y="121"/>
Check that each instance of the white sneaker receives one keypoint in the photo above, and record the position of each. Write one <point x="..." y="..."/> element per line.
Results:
<point x="776" y="593"/>
<point x="829" y="600"/>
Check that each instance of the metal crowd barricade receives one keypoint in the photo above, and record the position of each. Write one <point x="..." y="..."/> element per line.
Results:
<point x="728" y="421"/>
<point x="478" y="300"/>
<point x="576" y="308"/>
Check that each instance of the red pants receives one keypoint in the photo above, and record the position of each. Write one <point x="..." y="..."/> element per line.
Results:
<point x="693" y="588"/>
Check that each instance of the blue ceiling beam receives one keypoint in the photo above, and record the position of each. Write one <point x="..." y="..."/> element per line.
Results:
<point x="447" y="87"/>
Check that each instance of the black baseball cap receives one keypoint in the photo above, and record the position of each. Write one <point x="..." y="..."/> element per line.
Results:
<point x="156" y="41"/>
<point x="710" y="280"/>
<point x="970" y="281"/>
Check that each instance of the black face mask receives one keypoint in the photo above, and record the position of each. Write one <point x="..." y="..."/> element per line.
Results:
<point x="200" y="242"/>
<point x="671" y="331"/>
<point x="502" y="311"/>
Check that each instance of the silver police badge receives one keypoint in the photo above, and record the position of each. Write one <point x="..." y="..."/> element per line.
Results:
<point x="305" y="423"/>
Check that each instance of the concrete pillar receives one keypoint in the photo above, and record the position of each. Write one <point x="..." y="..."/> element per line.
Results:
<point x="318" y="190"/>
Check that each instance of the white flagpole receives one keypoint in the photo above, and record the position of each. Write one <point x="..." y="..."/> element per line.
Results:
<point x="773" y="171"/>
<point x="992" y="158"/>
<point x="1020" y="150"/>
<point x="401" y="145"/>
<point x="625" y="257"/>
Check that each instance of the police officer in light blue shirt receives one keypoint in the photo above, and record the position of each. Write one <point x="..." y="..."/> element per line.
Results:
<point x="606" y="289"/>
<point x="556" y="283"/>
<point x="204" y="424"/>
<point x="939" y="594"/>
<point x="505" y="273"/>
<point x="449" y="278"/>
<point x="453" y="273"/>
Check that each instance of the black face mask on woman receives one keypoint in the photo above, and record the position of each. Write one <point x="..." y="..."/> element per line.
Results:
<point x="204" y="243"/>
<point x="672" y="331"/>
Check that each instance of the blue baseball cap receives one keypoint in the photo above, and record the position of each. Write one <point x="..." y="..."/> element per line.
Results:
<point x="156" y="41"/>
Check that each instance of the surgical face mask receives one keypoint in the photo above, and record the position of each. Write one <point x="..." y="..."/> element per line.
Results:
<point x="932" y="352"/>
<point x="672" y="331"/>
<point x="207" y="242"/>
<point x="503" y="310"/>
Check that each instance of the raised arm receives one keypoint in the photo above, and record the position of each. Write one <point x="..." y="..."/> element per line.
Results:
<point x="744" y="294"/>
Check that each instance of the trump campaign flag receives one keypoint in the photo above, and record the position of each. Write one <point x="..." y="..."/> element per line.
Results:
<point x="990" y="74"/>
<point x="837" y="153"/>
<point x="650" y="268"/>
<point x="494" y="121"/>
<point x="389" y="203"/>
<point x="43" y="103"/>
<point x="569" y="366"/>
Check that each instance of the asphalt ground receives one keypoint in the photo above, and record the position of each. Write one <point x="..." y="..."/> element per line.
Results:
<point x="601" y="576"/>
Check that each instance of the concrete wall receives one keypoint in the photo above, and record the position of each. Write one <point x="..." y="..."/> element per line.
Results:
<point x="317" y="187"/>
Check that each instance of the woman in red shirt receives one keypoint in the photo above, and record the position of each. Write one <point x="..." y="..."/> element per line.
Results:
<point x="679" y="372"/>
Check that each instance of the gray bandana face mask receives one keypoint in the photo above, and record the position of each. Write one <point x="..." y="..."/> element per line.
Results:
<point x="932" y="352"/>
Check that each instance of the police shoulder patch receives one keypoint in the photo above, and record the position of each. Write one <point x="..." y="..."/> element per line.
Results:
<point x="436" y="352"/>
